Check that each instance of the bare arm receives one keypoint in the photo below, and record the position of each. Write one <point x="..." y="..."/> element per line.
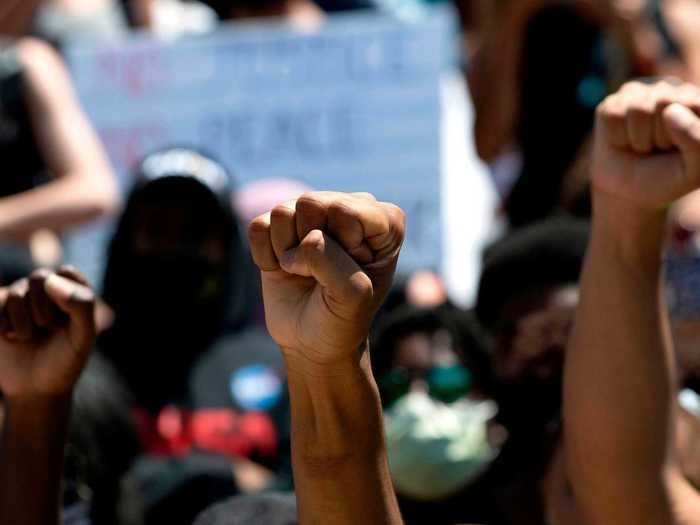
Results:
<point x="494" y="74"/>
<point x="16" y="16"/>
<point x="619" y="384"/>
<point x="41" y="358"/>
<point x="319" y="304"/>
<point x="84" y="187"/>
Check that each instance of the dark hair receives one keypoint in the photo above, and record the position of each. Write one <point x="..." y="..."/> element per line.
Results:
<point x="102" y="442"/>
<point x="262" y="509"/>
<point x="403" y="322"/>
<point x="542" y="256"/>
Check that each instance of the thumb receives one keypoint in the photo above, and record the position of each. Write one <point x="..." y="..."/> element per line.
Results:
<point x="347" y="288"/>
<point x="78" y="302"/>
<point x="684" y="131"/>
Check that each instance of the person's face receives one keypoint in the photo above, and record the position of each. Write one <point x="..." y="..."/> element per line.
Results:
<point x="165" y="229"/>
<point x="532" y="336"/>
<point x="426" y="363"/>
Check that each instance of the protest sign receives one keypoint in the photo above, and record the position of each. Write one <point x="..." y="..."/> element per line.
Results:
<point x="352" y="106"/>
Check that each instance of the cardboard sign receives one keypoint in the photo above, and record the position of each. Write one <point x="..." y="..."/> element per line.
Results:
<point x="352" y="106"/>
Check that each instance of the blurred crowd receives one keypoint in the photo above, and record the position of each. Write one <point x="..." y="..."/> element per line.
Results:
<point x="182" y="414"/>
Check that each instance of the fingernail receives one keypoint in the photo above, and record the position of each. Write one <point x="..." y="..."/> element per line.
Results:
<point x="680" y="116"/>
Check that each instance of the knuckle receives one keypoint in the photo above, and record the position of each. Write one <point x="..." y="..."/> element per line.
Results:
<point x="343" y="209"/>
<point x="314" y="243"/>
<point x="308" y="199"/>
<point x="397" y="218"/>
<point x="256" y="228"/>
<point x="361" y="289"/>
<point x="282" y="212"/>
<point x="40" y="274"/>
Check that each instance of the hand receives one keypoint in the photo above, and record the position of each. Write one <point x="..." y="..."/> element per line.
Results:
<point x="47" y="331"/>
<point x="327" y="263"/>
<point x="646" y="150"/>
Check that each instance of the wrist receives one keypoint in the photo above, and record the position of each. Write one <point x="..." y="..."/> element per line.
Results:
<point x="632" y="234"/>
<point x="300" y="365"/>
<point x="37" y="407"/>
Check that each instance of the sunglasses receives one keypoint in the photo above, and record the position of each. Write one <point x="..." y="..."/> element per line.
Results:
<point x="445" y="383"/>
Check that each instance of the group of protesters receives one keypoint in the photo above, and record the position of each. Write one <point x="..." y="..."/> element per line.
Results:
<point x="258" y="356"/>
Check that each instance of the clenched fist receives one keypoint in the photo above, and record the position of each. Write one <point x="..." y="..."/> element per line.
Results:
<point x="47" y="331"/>
<point x="647" y="146"/>
<point x="327" y="262"/>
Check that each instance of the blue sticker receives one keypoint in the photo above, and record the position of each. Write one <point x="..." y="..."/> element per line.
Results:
<point x="256" y="387"/>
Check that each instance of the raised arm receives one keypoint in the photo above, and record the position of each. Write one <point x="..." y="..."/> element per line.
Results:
<point x="327" y="262"/>
<point x="46" y="334"/>
<point x="620" y="383"/>
<point x="84" y="186"/>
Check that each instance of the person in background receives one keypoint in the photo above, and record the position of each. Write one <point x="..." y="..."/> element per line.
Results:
<point x="208" y="388"/>
<point x="592" y="46"/>
<point x="263" y="509"/>
<point x="436" y="422"/>
<point x="527" y="297"/>
<point x="102" y="445"/>
<point x="177" y="225"/>
<point x="60" y="176"/>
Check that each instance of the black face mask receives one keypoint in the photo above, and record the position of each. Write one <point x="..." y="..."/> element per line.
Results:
<point x="171" y="297"/>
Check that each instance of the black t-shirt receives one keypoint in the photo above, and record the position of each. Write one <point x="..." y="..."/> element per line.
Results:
<point x="24" y="166"/>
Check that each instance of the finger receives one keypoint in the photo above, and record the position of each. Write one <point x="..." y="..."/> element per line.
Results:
<point x="611" y="121"/>
<point x="389" y="241"/>
<point x="44" y="312"/>
<point x="283" y="228"/>
<point x="19" y="311"/>
<point x="73" y="274"/>
<point x="78" y="302"/>
<point x="640" y="122"/>
<point x="346" y="287"/>
<point x="665" y="97"/>
<point x="684" y="131"/>
<point x="261" y="244"/>
<point x="345" y="224"/>
<point x="312" y="212"/>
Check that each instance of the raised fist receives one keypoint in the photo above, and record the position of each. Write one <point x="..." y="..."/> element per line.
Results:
<point x="647" y="145"/>
<point x="327" y="262"/>
<point x="47" y="331"/>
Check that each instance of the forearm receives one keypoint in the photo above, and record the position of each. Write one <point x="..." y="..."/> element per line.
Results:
<point x="493" y="82"/>
<point x="619" y="383"/>
<point x="338" y="450"/>
<point x="31" y="460"/>
<point x="63" y="203"/>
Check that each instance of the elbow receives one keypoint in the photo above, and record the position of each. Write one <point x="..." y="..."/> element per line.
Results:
<point x="101" y="200"/>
